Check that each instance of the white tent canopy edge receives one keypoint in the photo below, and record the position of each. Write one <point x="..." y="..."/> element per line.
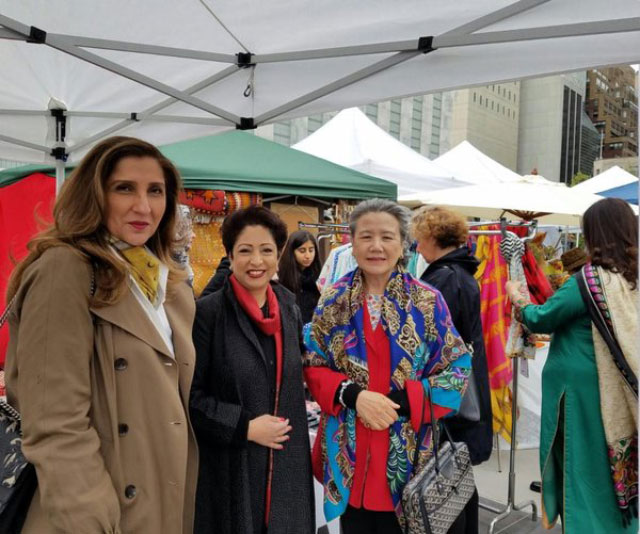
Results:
<point x="247" y="86"/>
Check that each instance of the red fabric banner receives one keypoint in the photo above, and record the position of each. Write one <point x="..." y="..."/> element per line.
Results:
<point x="26" y="207"/>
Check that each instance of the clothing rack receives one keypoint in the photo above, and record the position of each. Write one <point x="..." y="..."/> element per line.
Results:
<point x="331" y="229"/>
<point x="511" y="506"/>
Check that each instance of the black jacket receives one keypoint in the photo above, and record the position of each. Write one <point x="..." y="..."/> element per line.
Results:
<point x="231" y="385"/>
<point x="452" y="275"/>
<point x="219" y="278"/>
<point x="308" y="296"/>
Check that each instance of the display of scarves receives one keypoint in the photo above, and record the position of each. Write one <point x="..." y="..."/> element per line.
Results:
<point x="613" y="305"/>
<point x="492" y="276"/>
<point x="424" y="346"/>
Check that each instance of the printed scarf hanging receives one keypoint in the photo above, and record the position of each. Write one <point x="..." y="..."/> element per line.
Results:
<point x="424" y="346"/>
<point x="492" y="276"/>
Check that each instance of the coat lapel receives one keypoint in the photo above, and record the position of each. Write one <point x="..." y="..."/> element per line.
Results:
<point x="129" y="315"/>
<point x="245" y="323"/>
<point x="180" y="312"/>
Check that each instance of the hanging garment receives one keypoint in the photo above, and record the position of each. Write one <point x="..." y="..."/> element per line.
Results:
<point x="339" y="263"/>
<point x="519" y="344"/>
<point x="492" y="276"/>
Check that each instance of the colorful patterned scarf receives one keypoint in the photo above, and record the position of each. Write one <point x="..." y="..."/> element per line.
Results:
<point x="492" y="276"/>
<point x="613" y="307"/>
<point x="424" y="346"/>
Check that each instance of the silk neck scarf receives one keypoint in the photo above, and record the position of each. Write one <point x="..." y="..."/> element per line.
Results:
<point x="144" y="268"/>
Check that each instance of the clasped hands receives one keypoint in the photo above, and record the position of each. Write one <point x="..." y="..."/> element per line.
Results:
<point x="375" y="410"/>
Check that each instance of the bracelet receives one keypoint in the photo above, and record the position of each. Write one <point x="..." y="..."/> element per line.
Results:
<point x="343" y="386"/>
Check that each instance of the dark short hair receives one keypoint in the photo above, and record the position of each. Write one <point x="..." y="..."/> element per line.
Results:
<point x="234" y="224"/>
<point x="611" y="235"/>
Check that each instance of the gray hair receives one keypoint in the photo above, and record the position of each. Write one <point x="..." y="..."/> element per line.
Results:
<point x="381" y="205"/>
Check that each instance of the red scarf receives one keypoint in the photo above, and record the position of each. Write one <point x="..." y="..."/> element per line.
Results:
<point x="270" y="326"/>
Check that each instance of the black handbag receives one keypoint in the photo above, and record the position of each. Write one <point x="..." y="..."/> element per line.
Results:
<point x="438" y="492"/>
<point x="18" y="479"/>
<point x="470" y="404"/>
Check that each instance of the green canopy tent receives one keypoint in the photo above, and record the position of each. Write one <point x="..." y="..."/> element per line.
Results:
<point x="243" y="162"/>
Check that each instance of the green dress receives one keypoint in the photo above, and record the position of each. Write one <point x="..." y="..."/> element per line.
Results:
<point x="576" y="481"/>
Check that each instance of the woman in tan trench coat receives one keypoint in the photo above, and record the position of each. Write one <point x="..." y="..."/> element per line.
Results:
<point x="100" y="359"/>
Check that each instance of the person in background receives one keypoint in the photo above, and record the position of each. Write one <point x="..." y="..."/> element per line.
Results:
<point x="442" y="236"/>
<point x="299" y="269"/>
<point x="589" y="423"/>
<point x="100" y="357"/>
<point x="247" y="398"/>
<point x="379" y="342"/>
<point x="573" y="260"/>
<point x="219" y="278"/>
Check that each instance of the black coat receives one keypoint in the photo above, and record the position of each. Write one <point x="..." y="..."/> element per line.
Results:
<point x="308" y="296"/>
<point x="219" y="278"/>
<point x="231" y="385"/>
<point x="452" y="275"/>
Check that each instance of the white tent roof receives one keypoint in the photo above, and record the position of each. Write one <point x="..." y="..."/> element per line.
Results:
<point x="525" y="198"/>
<point x="352" y="140"/>
<point x="167" y="71"/>
<point x="613" y="177"/>
<point x="468" y="163"/>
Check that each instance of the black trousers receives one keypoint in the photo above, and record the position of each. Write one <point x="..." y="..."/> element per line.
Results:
<point x="467" y="522"/>
<point x="361" y="521"/>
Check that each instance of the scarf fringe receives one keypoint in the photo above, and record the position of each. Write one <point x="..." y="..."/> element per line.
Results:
<point x="630" y="513"/>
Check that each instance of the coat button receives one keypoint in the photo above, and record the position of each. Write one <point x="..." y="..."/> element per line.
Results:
<point x="121" y="364"/>
<point x="123" y="429"/>
<point x="130" y="491"/>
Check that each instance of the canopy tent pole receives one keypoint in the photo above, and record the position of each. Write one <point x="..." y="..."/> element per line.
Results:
<point x="59" y="175"/>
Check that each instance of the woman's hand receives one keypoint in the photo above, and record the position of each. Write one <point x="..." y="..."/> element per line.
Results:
<point x="269" y="431"/>
<point x="376" y="411"/>
<point x="516" y="291"/>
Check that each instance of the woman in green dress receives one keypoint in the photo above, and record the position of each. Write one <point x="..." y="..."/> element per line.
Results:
<point x="588" y="439"/>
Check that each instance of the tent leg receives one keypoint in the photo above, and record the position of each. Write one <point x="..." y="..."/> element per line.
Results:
<point x="59" y="175"/>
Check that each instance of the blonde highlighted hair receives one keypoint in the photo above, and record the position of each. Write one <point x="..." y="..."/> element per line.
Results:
<point x="448" y="228"/>
<point x="79" y="219"/>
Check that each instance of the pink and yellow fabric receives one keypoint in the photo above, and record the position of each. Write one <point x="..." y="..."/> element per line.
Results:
<point x="492" y="276"/>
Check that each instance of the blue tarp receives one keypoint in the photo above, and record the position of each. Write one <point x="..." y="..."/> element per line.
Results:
<point x="628" y="192"/>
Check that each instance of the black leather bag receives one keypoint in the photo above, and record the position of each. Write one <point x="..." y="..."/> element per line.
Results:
<point x="18" y="480"/>
<point x="470" y="405"/>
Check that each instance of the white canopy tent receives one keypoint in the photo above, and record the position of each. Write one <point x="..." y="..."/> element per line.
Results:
<point x="77" y="71"/>
<point x="473" y="166"/>
<point x="613" y="177"/>
<point x="549" y="203"/>
<point x="352" y="140"/>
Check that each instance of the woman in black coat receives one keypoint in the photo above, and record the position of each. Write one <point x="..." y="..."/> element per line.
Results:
<point x="247" y="399"/>
<point x="441" y="236"/>
<point x="299" y="269"/>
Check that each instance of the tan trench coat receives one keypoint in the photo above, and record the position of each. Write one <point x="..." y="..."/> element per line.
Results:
<point x="104" y="405"/>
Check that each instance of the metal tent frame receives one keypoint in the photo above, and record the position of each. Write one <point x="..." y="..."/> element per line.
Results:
<point x="468" y="34"/>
